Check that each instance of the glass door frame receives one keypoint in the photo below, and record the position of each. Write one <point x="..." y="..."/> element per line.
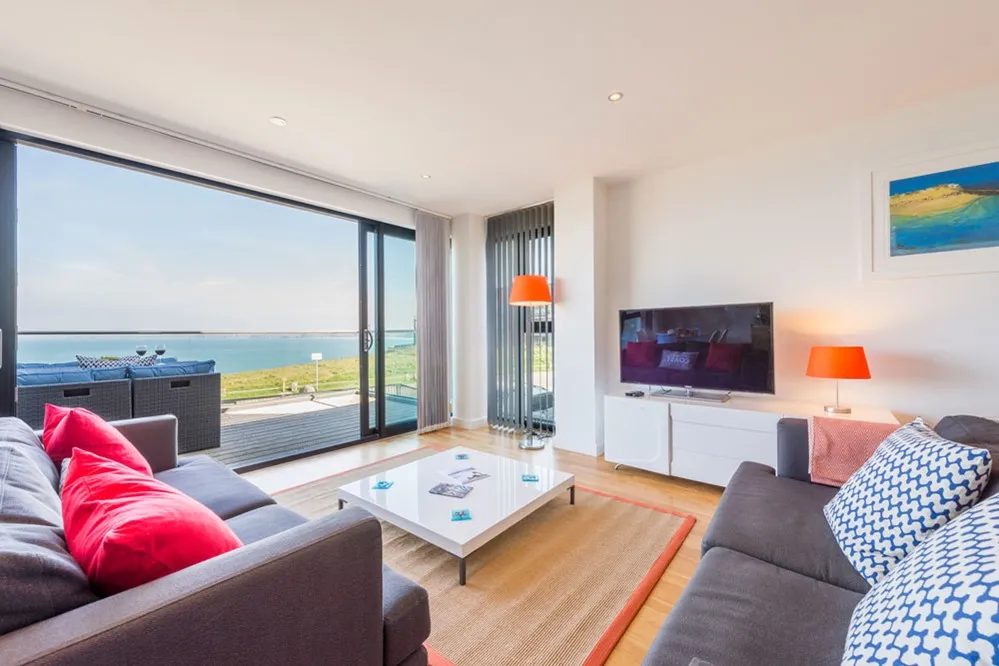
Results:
<point x="8" y="276"/>
<point x="372" y="334"/>
<point x="8" y="281"/>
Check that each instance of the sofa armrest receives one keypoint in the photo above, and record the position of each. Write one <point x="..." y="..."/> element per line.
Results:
<point x="792" y="449"/>
<point x="155" y="437"/>
<point x="309" y="595"/>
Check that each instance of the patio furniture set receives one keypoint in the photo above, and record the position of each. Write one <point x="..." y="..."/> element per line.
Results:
<point x="190" y="390"/>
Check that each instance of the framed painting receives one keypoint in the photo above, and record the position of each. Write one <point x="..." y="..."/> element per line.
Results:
<point x="939" y="217"/>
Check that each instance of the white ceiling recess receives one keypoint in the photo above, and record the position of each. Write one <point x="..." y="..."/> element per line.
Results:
<point x="497" y="102"/>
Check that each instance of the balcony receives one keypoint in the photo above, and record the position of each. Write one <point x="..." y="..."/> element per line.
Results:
<point x="275" y="395"/>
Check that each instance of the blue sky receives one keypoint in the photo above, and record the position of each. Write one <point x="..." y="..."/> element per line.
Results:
<point x="968" y="176"/>
<point x="103" y="247"/>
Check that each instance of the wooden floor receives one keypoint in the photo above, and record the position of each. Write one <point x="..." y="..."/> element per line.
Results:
<point x="254" y="442"/>
<point x="683" y="496"/>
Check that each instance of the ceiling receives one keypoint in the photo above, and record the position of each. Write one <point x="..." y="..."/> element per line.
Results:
<point x="497" y="101"/>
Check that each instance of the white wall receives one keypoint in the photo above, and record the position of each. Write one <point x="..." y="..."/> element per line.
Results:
<point x="786" y="224"/>
<point x="580" y="365"/>
<point x="468" y="290"/>
<point x="44" y="119"/>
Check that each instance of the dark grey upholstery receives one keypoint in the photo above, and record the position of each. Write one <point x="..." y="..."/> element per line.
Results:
<point x="215" y="486"/>
<point x="780" y="521"/>
<point x="266" y="521"/>
<point x="792" y="449"/>
<point x="406" y="609"/>
<point x="298" y="593"/>
<point x="38" y="577"/>
<point x="739" y="611"/>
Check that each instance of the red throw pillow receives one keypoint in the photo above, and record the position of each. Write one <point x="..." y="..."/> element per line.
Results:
<point x="640" y="355"/>
<point x="724" y="357"/>
<point x="125" y="529"/>
<point x="68" y="428"/>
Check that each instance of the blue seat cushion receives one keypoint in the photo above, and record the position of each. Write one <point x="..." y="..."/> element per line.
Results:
<point x="63" y="364"/>
<point x="173" y="369"/>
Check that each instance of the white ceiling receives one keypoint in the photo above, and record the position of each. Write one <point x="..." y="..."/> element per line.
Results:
<point x="499" y="101"/>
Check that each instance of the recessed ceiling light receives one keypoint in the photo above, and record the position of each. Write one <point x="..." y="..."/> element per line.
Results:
<point x="615" y="96"/>
<point x="425" y="176"/>
<point x="278" y="121"/>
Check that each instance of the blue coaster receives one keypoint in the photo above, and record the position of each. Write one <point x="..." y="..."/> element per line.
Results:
<point x="461" y="456"/>
<point x="382" y="485"/>
<point x="461" y="514"/>
<point x="529" y="477"/>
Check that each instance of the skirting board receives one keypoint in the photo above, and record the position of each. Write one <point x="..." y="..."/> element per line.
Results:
<point x="470" y="424"/>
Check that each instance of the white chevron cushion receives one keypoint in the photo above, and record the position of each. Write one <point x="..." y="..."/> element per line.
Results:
<point x="940" y="605"/>
<point x="915" y="482"/>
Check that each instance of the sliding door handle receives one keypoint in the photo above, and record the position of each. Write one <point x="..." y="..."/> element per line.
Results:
<point x="369" y="341"/>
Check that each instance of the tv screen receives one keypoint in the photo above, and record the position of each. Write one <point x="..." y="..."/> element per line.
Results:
<point x="720" y="347"/>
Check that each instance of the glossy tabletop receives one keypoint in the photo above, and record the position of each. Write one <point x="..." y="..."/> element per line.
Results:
<point x="496" y="502"/>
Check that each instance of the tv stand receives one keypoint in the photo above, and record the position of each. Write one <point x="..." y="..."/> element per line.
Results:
<point x="688" y="393"/>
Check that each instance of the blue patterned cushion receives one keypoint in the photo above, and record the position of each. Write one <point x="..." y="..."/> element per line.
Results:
<point x="940" y="605"/>
<point x="915" y="482"/>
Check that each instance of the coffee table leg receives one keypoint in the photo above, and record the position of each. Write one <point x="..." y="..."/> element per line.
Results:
<point x="340" y="504"/>
<point x="572" y="494"/>
<point x="461" y="571"/>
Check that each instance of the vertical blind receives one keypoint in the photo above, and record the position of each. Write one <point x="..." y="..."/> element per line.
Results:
<point x="520" y="243"/>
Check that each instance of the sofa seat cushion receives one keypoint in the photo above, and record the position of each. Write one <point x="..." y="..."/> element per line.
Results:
<point x="215" y="486"/>
<point x="406" y="609"/>
<point x="264" y="522"/>
<point x="739" y="610"/>
<point x="780" y="521"/>
<point x="39" y="578"/>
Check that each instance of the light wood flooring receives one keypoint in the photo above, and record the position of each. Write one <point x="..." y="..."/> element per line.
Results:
<point x="676" y="494"/>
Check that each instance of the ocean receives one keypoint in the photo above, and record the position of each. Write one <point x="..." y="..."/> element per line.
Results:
<point x="231" y="353"/>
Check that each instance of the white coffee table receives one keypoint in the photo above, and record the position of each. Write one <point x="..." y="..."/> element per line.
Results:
<point x="497" y="503"/>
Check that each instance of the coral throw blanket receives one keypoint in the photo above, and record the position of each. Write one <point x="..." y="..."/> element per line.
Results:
<point x="838" y="447"/>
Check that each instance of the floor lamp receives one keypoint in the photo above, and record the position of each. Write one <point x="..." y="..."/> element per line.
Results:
<point x="530" y="291"/>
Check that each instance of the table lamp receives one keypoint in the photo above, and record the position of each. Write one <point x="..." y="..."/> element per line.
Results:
<point x="838" y="363"/>
<point x="530" y="291"/>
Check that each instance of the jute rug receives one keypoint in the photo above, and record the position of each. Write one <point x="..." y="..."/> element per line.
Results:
<point x="560" y="587"/>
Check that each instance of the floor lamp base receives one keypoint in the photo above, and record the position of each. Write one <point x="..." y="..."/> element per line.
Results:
<point x="533" y="443"/>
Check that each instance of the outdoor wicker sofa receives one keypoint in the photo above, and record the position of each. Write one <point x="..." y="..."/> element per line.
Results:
<point x="190" y="391"/>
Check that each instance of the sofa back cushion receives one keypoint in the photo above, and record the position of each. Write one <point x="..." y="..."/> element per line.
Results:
<point x="915" y="482"/>
<point x="39" y="577"/>
<point x="173" y="369"/>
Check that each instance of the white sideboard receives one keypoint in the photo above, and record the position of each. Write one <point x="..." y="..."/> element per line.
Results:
<point x="703" y="441"/>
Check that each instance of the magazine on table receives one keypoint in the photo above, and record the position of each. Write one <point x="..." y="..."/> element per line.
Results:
<point x="464" y="474"/>
<point x="451" y="490"/>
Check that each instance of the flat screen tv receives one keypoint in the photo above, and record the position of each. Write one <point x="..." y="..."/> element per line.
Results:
<point x="713" y="347"/>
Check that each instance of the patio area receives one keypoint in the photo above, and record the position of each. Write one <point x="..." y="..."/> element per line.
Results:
<point x="262" y="432"/>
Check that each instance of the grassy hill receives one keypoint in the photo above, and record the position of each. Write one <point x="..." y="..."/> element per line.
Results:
<point x="334" y="375"/>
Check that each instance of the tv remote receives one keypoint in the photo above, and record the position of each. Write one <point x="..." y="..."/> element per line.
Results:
<point x="635" y="394"/>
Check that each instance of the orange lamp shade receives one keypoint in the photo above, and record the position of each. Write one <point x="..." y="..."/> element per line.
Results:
<point x="530" y="290"/>
<point x="838" y="363"/>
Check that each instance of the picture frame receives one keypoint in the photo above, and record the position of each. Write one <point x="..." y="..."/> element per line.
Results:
<point x="883" y="259"/>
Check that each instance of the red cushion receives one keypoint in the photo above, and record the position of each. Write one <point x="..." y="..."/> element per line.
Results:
<point x="77" y="428"/>
<point x="126" y="529"/>
<point x="724" y="357"/>
<point x="641" y="355"/>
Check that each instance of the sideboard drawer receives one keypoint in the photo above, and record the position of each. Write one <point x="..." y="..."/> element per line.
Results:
<point x="704" y="468"/>
<point x="709" y="440"/>
<point x="726" y="417"/>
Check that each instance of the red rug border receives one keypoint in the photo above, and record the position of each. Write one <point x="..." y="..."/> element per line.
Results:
<point x="609" y="639"/>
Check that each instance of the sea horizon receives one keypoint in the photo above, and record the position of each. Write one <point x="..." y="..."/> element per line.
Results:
<point x="232" y="352"/>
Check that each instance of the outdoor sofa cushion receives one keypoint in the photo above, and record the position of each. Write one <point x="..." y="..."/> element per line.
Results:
<point x="173" y="369"/>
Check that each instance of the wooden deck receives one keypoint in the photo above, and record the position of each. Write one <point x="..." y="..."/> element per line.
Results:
<point x="252" y="443"/>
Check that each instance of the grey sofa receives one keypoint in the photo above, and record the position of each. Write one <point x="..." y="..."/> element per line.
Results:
<point x="298" y="591"/>
<point x="773" y="586"/>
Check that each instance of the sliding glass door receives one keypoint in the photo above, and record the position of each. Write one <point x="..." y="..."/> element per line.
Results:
<point x="264" y="325"/>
